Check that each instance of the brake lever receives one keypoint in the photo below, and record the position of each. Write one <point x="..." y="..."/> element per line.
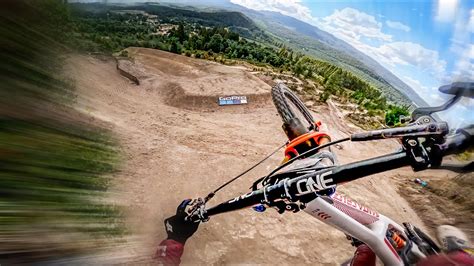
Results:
<point x="428" y="111"/>
<point x="431" y="129"/>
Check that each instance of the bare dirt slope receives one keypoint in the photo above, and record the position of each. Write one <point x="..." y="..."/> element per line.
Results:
<point x="172" y="152"/>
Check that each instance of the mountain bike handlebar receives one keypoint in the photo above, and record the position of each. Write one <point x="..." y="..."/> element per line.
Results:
<point x="294" y="189"/>
<point x="291" y="194"/>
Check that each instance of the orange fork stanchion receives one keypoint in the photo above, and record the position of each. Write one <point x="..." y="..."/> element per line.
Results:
<point x="304" y="142"/>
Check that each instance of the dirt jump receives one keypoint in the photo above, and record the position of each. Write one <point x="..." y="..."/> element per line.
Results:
<point x="178" y="143"/>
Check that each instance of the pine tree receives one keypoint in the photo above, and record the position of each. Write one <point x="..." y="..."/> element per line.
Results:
<point x="181" y="34"/>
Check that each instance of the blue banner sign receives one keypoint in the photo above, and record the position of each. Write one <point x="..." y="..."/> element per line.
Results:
<point x="232" y="100"/>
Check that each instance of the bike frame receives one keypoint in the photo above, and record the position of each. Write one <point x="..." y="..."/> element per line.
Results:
<point x="337" y="211"/>
<point x="362" y="223"/>
<point x="301" y="187"/>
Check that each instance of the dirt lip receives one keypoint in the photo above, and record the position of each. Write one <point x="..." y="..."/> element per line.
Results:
<point x="175" y="95"/>
<point x="171" y="153"/>
<point x="197" y="84"/>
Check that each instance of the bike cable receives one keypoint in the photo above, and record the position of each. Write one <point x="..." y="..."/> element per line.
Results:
<point x="213" y="193"/>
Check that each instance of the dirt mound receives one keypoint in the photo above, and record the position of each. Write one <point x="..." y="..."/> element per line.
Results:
<point x="130" y="70"/>
<point x="197" y="84"/>
<point x="175" y="95"/>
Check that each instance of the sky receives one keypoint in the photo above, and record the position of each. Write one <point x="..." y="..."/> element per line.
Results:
<point x="424" y="43"/>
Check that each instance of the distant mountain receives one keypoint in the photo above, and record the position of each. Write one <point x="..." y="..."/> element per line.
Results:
<point x="324" y="45"/>
<point x="210" y="18"/>
<point x="265" y="26"/>
<point x="213" y="18"/>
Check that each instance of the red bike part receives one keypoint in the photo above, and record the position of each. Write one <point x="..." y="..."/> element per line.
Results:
<point x="305" y="142"/>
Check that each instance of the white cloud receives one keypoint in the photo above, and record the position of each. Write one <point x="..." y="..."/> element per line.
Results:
<point x="462" y="47"/>
<point x="414" y="83"/>
<point x="470" y="24"/>
<point x="408" y="53"/>
<point x="464" y="66"/>
<point x="397" y="25"/>
<point x="292" y="8"/>
<point x="356" y="27"/>
<point x="350" y="23"/>
<point x="446" y="11"/>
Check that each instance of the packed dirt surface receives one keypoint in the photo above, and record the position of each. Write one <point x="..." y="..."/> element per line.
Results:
<point x="194" y="84"/>
<point x="445" y="200"/>
<point x="172" y="151"/>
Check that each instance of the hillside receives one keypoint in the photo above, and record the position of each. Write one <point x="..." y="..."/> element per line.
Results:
<point x="271" y="27"/>
<point x="322" y="45"/>
<point x="236" y="21"/>
<point x="325" y="46"/>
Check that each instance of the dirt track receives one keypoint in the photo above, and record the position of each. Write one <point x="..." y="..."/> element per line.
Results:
<point x="173" y="152"/>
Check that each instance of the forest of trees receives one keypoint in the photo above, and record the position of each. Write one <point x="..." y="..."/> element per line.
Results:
<point x="112" y="32"/>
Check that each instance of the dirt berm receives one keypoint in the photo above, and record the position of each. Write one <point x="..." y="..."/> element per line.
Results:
<point x="178" y="143"/>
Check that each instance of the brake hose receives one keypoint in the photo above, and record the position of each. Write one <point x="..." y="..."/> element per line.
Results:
<point x="297" y="157"/>
<point x="213" y="193"/>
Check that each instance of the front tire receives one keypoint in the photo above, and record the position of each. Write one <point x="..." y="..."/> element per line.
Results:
<point x="282" y="96"/>
<point x="292" y="111"/>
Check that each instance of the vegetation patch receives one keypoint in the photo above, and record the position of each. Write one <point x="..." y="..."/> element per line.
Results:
<point x="54" y="169"/>
<point x="52" y="191"/>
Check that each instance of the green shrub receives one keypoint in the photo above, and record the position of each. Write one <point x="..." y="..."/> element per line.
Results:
<point x="324" y="96"/>
<point x="392" y="116"/>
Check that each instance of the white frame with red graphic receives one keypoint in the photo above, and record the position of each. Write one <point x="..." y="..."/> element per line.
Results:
<point x="362" y="223"/>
